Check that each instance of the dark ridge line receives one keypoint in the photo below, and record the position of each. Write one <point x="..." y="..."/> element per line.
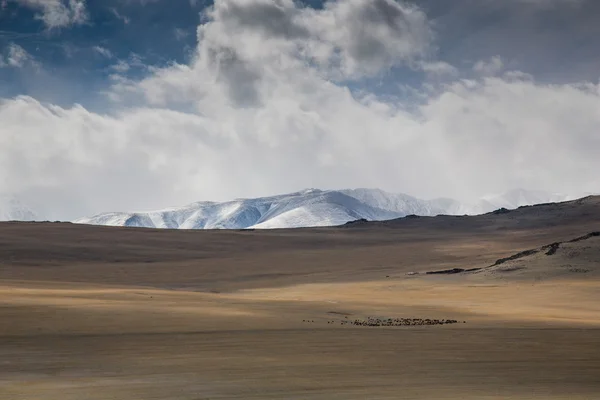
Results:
<point x="585" y="237"/>
<point x="451" y="271"/>
<point x="551" y="249"/>
<point x="356" y="221"/>
<point x="500" y="211"/>
<point x="521" y="254"/>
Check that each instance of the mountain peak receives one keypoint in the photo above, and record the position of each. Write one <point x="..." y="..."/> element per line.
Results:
<point x="310" y="190"/>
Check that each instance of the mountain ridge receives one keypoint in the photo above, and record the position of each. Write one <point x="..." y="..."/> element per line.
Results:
<point x="313" y="208"/>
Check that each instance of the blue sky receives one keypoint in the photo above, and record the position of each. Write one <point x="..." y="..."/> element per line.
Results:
<point x="118" y="104"/>
<point x="73" y="55"/>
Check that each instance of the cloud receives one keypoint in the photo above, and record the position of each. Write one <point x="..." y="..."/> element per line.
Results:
<point x="134" y="61"/>
<point x="121" y="66"/>
<point x="180" y="34"/>
<point x="476" y="137"/>
<point x="103" y="51"/>
<point x="248" y="45"/>
<point x="260" y="110"/>
<point x="439" y="69"/>
<point x="126" y="20"/>
<point x="243" y="35"/>
<point x="57" y="13"/>
<point x="118" y="151"/>
<point x="18" y="57"/>
<point x="489" y="67"/>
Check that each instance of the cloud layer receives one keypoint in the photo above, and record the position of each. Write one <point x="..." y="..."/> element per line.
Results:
<point x="269" y="105"/>
<point x="57" y="13"/>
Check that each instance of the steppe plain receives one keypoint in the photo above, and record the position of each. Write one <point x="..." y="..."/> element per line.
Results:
<point x="90" y="312"/>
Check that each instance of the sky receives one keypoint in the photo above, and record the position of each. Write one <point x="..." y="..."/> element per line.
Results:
<point x="114" y="105"/>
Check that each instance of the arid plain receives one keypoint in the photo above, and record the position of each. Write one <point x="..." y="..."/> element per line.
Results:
<point x="116" y="313"/>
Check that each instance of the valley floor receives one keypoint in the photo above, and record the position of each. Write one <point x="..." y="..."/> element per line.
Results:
<point x="522" y="341"/>
<point x="98" y="313"/>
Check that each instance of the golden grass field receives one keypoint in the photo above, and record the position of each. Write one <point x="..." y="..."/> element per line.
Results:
<point x="117" y="313"/>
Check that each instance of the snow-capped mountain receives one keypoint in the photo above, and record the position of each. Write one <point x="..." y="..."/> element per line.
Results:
<point x="516" y="198"/>
<point x="312" y="207"/>
<point x="307" y="208"/>
<point x="12" y="209"/>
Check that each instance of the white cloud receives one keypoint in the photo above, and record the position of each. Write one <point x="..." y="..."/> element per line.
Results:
<point x="134" y="61"/>
<point x="103" y="51"/>
<point x="121" y="66"/>
<point x="180" y="34"/>
<point x="58" y="13"/>
<point x="474" y="138"/>
<point x="18" y="57"/>
<point x="439" y="69"/>
<point x="126" y="20"/>
<point x="256" y="113"/>
<point x="490" y="67"/>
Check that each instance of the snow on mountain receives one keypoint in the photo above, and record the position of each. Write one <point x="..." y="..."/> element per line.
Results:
<point x="396" y="202"/>
<point x="514" y="199"/>
<point x="447" y="206"/>
<point x="12" y="209"/>
<point x="321" y="208"/>
<point x="306" y="208"/>
<point x="312" y="207"/>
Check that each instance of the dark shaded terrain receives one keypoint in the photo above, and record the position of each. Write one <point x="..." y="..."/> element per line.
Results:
<point x="224" y="260"/>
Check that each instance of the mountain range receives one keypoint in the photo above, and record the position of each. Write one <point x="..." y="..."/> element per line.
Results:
<point x="313" y="207"/>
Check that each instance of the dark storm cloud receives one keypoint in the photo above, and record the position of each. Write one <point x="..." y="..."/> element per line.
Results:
<point x="366" y="45"/>
<point x="240" y="78"/>
<point x="274" y="18"/>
